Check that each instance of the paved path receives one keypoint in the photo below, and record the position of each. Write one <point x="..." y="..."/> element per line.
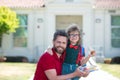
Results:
<point x="99" y="75"/>
<point x="31" y="78"/>
<point x="96" y="75"/>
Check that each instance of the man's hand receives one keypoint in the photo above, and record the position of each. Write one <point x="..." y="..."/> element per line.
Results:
<point x="86" y="72"/>
<point x="82" y="73"/>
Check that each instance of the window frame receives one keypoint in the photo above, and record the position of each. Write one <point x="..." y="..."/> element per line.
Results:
<point x="24" y="26"/>
<point x="114" y="27"/>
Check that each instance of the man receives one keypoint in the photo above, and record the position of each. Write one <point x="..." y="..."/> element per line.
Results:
<point x="49" y="66"/>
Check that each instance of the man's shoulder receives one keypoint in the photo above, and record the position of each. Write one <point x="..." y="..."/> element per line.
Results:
<point x="45" y="57"/>
<point x="46" y="54"/>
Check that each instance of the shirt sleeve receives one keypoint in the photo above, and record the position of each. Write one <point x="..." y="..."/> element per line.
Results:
<point x="48" y="62"/>
<point x="83" y="51"/>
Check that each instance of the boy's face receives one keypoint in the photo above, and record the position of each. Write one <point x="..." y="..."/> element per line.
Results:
<point x="74" y="36"/>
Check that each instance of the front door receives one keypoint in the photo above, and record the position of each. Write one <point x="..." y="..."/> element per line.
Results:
<point x="63" y="21"/>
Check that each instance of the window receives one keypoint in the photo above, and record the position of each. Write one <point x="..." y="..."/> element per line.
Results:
<point x="21" y="36"/>
<point x="115" y="31"/>
<point x="69" y="0"/>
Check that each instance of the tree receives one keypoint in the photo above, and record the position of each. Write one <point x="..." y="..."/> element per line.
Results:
<point x="8" y="20"/>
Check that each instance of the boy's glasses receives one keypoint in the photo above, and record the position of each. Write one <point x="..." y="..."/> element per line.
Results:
<point x="74" y="35"/>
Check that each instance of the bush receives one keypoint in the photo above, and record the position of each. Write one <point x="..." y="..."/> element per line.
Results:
<point x="16" y="59"/>
<point x="2" y="59"/>
<point x="115" y="60"/>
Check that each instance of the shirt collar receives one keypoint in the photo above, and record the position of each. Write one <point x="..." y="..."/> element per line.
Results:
<point x="55" y="55"/>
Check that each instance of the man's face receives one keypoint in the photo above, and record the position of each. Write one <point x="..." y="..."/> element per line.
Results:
<point x="60" y="44"/>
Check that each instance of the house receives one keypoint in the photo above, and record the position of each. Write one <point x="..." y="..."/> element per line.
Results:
<point x="39" y="19"/>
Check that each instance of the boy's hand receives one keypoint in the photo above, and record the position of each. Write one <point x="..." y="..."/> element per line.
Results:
<point x="49" y="50"/>
<point x="82" y="73"/>
<point x="92" y="53"/>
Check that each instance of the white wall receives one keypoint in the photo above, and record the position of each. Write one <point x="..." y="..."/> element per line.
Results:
<point x="71" y="9"/>
<point x="42" y="25"/>
<point x="99" y="29"/>
<point x="103" y="32"/>
<point x="109" y="50"/>
<point x="39" y="33"/>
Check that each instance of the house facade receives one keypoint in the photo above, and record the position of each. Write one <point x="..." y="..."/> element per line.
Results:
<point x="39" y="19"/>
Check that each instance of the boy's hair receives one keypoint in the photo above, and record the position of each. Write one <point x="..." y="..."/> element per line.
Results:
<point x="60" y="33"/>
<point x="74" y="27"/>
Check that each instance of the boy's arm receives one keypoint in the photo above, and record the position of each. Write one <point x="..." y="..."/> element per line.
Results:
<point x="85" y="59"/>
<point x="49" y="50"/>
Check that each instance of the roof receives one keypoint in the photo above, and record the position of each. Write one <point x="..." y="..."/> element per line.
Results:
<point x="107" y="4"/>
<point x="22" y="3"/>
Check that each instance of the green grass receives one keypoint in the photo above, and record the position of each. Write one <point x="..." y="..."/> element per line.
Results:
<point x="16" y="71"/>
<point x="23" y="71"/>
<point x="113" y="69"/>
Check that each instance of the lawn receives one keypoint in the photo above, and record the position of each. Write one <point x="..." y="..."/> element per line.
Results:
<point x="16" y="71"/>
<point x="23" y="71"/>
<point x="113" y="69"/>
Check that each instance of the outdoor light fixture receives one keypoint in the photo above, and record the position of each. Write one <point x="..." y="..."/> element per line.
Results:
<point x="39" y="20"/>
<point x="98" y="20"/>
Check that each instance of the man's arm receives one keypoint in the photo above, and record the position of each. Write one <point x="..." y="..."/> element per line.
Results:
<point x="52" y="75"/>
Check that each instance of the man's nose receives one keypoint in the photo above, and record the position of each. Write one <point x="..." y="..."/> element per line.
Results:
<point x="61" y="44"/>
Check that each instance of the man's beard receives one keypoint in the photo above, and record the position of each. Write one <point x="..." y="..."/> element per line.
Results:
<point x="59" y="51"/>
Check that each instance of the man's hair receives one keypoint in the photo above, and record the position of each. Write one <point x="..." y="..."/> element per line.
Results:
<point x="60" y="33"/>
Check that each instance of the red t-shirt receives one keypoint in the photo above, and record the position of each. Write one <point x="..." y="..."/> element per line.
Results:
<point x="47" y="62"/>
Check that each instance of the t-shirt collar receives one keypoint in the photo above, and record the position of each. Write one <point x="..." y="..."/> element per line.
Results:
<point x="55" y="55"/>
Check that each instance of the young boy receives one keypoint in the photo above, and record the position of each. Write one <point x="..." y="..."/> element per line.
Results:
<point x="75" y="53"/>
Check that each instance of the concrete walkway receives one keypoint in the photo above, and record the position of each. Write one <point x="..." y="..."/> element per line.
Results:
<point x="96" y="75"/>
<point x="99" y="75"/>
<point x="31" y="78"/>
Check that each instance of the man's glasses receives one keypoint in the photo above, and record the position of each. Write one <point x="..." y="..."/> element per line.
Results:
<point x="74" y="35"/>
